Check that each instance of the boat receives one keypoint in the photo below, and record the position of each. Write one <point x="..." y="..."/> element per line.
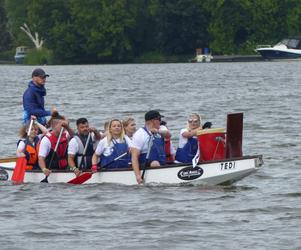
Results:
<point x="221" y="162"/>
<point x="21" y="53"/>
<point x="209" y="173"/>
<point x="289" y="48"/>
<point x="202" y="57"/>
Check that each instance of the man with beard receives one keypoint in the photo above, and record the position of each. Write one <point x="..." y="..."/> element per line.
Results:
<point x="82" y="146"/>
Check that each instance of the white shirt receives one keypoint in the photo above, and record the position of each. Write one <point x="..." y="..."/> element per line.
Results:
<point x="140" y="140"/>
<point x="73" y="147"/>
<point x="106" y="149"/>
<point x="164" y="129"/>
<point x="21" y="145"/>
<point x="182" y="139"/>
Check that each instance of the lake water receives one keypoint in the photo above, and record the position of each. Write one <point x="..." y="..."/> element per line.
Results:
<point x="263" y="211"/>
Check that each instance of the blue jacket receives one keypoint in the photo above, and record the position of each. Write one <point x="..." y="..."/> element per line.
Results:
<point x="33" y="103"/>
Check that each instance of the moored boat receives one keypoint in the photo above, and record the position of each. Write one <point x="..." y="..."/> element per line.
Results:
<point x="289" y="48"/>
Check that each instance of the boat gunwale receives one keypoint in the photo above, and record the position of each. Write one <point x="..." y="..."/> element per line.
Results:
<point x="173" y="165"/>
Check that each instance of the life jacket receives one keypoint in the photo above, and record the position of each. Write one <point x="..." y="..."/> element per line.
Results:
<point x="118" y="149"/>
<point x="167" y="145"/>
<point x="189" y="150"/>
<point x="31" y="152"/>
<point x="157" y="151"/>
<point x="60" y="158"/>
<point x="86" y="163"/>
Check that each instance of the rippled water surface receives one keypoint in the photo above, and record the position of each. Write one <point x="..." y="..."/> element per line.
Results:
<point x="262" y="211"/>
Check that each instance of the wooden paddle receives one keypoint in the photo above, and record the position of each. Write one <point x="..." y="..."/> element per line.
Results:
<point x="147" y="163"/>
<point x="19" y="171"/>
<point x="9" y="159"/>
<point x="54" y="153"/>
<point x="87" y="175"/>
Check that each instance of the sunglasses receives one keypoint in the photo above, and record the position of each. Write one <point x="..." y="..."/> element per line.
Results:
<point x="191" y="121"/>
<point x="158" y="119"/>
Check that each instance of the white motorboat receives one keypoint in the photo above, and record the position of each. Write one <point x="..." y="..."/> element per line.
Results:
<point x="289" y="48"/>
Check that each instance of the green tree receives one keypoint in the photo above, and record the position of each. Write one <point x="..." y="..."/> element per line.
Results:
<point x="17" y="15"/>
<point x="182" y="26"/>
<point x="5" y="41"/>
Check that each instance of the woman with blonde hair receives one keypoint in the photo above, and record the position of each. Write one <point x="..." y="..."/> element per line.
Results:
<point x="112" y="146"/>
<point x="188" y="143"/>
<point x="129" y="126"/>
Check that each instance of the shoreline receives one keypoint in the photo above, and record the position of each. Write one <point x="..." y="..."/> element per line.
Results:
<point x="215" y="58"/>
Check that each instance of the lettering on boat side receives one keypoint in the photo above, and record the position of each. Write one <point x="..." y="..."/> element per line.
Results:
<point x="190" y="173"/>
<point x="3" y="175"/>
<point x="227" y="165"/>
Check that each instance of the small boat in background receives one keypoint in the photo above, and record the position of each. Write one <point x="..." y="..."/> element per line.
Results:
<point x="21" y="53"/>
<point x="289" y="48"/>
<point x="202" y="57"/>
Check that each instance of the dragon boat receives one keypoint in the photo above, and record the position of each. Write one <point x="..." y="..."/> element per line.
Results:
<point x="221" y="162"/>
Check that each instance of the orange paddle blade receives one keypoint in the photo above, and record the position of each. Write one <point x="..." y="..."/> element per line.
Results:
<point x="19" y="171"/>
<point x="81" y="179"/>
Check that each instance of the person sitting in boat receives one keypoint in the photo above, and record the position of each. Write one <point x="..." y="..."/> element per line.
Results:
<point x="53" y="153"/>
<point x="33" y="98"/>
<point x="129" y="126"/>
<point x="111" y="147"/>
<point x="81" y="147"/>
<point x="148" y="144"/>
<point x="188" y="142"/>
<point x="168" y="145"/>
<point x="28" y="146"/>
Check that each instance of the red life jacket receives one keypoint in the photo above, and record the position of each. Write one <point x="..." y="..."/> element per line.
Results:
<point x="60" y="159"/>
<point x="169" y="156"/>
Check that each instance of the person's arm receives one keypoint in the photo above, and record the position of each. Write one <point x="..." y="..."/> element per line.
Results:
<point x="20" y="150"/>
<point x="135" y="164"/>
<point x="191" y="132"/>
<point x="42" y="164"/>
<point x="41" y="127"/>
<point x="97" y="135"/>
<point x="44" y="150"/>
<point x="164" y="132"/>
<point x="72" y="165"/>
<point x="95" y="158"/>
<point x="70" y="131"/>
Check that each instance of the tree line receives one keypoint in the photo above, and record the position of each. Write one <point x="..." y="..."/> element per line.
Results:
<point x="98" y="31"/>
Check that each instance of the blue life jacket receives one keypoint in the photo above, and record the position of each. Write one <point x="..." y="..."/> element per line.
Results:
<point x="117" y="150"/>
<point x="157" y="151"/>
<point x="189" y="150"/>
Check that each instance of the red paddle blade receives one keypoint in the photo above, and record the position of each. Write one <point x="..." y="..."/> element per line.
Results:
<point x="81" y="179"/>
<point x="19" y="171"/>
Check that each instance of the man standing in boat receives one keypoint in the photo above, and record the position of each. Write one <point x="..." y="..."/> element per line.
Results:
<point x="148" y="145"/>
<point x="33" y="98"/>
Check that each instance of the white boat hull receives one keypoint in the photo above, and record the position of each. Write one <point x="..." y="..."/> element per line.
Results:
<point x="209" y="173"/>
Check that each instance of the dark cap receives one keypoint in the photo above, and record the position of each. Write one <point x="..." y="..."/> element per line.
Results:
<point x="39" y="72"/>
<point x="152" y="114"/>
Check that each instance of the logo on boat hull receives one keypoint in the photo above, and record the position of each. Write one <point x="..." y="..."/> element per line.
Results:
<point x="190" y="173"/>
<point x="3" y="175"/>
